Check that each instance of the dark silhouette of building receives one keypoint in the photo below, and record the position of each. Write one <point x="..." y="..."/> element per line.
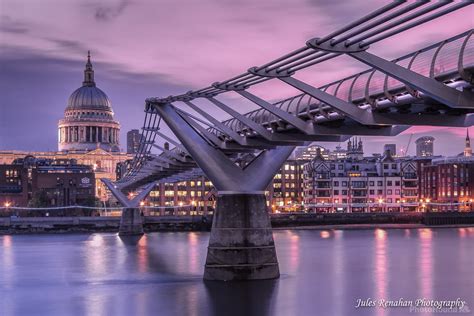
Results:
<point x="425" y="146"/>
<point x="46" y="182"/>
<point x="392" y="148"/>
<point x="133" y="141"/>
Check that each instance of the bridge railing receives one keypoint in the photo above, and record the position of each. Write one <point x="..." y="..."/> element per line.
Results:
<point x="369" y="89"/>
<point x="448" y="61"/>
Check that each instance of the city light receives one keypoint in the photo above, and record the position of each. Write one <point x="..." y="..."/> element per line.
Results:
<point x="142" y="203"/>
<point x="7" y="204"/>
<point x="380" y="201"/>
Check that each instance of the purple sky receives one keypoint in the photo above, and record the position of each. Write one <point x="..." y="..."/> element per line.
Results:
<point x="144" y="48"/>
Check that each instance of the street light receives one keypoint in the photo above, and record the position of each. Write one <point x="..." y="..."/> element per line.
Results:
<point x="7" y="204"/>
<point x="142" y="203"/>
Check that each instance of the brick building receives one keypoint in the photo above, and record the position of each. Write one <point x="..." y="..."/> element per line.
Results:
<point x="63" y="182"/>
<point x="447" y="184"/>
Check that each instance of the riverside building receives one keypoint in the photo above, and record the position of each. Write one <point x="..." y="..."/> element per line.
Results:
<point x="88" y="134"/>
<point x="30" y="181"/>
<point x="361" y="184"/>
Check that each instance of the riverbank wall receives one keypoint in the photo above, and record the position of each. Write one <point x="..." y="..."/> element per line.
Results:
<point x="68" y="224"/>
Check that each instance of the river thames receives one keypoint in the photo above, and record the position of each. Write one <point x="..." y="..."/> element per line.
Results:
<point x="323" y="272"/>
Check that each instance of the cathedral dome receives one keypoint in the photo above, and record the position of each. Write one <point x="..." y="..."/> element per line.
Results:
<point x="89" y="98"/>
<point x="88" y="121"/>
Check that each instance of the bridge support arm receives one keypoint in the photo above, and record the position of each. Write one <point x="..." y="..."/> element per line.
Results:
<point x="241" y="244"/>
<point x="131" y="222"/>
<point x="432" y="88"/>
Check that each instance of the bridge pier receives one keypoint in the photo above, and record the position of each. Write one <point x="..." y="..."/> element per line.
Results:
<point x="241" y="244"/>
<point x="131" y="222"/>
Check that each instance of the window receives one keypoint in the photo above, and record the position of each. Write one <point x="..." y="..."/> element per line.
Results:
<point x="358" y="184"/>
<point x="379" y="192"/>
<point x="336" y="183"/>
<point x="379" y="183"/>
<point x="344" y="184"/>
<point x="389" y="192"/>
<point x="336" y="192"/>
<point x="385" y="166"/>
<point x="371" y="192"/>
<point x="344" y="192"/>
<point x="340" y="167"/>
<point x="389" y="200"/>
<point x="371" y="183"/>
<point x="389" y="183"/>
<point x="397" y="191"/>
<point x="394" y="166"/>
<point x="397" y="183"/>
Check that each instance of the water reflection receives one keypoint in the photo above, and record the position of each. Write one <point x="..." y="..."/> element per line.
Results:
<point x="325" y="234"/>
<point x="142" y="255"/>
<point x="95" y="257"/>
<point x="425" y="262"/>
<point x="193" y="253"/>
<point x="294" y="251"/>
<point x="339" y="274"/>
<point x="242" y="298"/>
<point x="322" y="272"/>
<point x="381" y="272"/>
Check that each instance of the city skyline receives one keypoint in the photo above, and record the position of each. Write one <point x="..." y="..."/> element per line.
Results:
<point x="39" y="72"/>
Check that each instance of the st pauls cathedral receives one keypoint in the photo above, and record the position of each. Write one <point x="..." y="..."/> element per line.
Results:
<point x="88" y="133"/>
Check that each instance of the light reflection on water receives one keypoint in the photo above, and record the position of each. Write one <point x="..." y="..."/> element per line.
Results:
<point x="381" y="267"/>
<point x="322" y="273"/>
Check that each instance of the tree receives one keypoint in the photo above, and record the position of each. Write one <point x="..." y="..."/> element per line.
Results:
<point x="90" y="201"/>
<point x="39" y="199"/>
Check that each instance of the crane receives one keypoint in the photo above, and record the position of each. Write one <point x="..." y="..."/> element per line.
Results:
<point x="408" y="145"/>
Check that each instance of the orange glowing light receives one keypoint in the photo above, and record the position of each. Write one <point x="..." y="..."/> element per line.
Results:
<point x="324" y="234"/>
<point x="380" y="234"/>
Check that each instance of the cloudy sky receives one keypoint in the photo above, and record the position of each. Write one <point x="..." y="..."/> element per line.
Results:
<point x="143" y="48"/>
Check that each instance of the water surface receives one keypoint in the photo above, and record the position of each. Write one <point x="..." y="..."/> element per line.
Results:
<point x="322" y="273"/>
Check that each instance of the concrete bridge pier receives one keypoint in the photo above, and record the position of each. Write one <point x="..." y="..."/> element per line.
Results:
<point x="241" y="244"/>
<point x="131" y="222"/>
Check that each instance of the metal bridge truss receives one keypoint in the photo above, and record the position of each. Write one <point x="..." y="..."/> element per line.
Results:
<point x="432" y="86"/>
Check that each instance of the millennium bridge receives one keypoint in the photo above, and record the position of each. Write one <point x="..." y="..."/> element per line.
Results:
<point x="431" y="87"/>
